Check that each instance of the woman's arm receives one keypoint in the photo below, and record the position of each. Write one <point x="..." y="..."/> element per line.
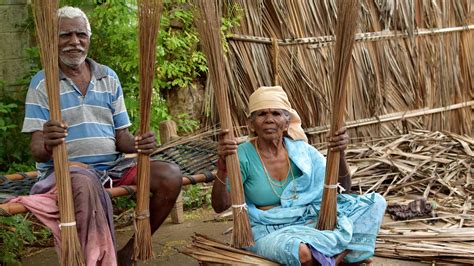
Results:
<point x="220" y="197"/>
<point x="344" y="173"/>
<point x="339" y="143"/>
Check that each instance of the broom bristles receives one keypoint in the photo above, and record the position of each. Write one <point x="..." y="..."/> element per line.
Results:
<point x="347" y="16"/>
<point x="208" y="26"/>
<point x="46" y="24"/>
<point x="149" y="14"/>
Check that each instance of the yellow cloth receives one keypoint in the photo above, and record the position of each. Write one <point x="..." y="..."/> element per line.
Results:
<point x="275" y="98"/>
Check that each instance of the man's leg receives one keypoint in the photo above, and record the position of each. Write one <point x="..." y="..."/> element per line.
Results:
<point x="93" y="217"/>
<point x="165" y="185"/>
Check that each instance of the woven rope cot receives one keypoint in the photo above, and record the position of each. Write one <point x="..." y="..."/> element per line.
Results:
<point x="196" y="158"/>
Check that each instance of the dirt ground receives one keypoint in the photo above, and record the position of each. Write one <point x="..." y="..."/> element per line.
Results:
<point x="171" y="237"/>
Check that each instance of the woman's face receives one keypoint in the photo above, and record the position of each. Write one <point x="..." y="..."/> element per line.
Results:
<point x="269" y="123"/>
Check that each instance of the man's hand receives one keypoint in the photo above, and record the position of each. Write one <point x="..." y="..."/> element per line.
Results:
<point x="54" y="133"/>
<point x="43" y="141"/>
<point x="145" y="143"/>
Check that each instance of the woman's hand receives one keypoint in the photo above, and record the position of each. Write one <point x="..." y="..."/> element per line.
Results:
<point x="339" y="141"/>
<point x="226" y="146"/>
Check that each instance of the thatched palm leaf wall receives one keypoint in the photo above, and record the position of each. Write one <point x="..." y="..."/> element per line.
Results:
<point x="405" y="72"/>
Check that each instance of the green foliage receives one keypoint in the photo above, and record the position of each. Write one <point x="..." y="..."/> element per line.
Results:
<point x="15" y="231"/>
<point x="178" y="58"/>
<point x="5" y="122"/>
<point x="196" y="196"/>
<point x="123" y="203"/>
<point x="231" y="19"/>
<point x="14" y="152"/>
<point x="185" y="124"/>
<point x="115" y="43"/>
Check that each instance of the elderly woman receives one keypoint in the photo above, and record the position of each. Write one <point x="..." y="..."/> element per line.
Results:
<point x="283" y="180"/>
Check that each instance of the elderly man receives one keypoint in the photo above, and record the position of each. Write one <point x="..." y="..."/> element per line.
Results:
<point x="95" y="129"/>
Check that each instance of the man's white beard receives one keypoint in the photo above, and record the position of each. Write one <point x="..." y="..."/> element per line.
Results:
<point x="73" y="62"/>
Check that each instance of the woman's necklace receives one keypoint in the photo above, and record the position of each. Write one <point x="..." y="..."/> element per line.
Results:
<point x="279" y="184"/>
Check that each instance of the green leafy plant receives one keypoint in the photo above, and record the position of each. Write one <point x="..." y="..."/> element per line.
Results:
<point x="196" y="196"/>
<point x="123" y="203"/>
<point x="5" y="122"/>
<point x="231" y="19"/>
<point x="179" y="60"/>
<point x="15" y="231"/>
<point x="114" y="43"/>
<point x="185" y="124"/>
<point x="14" y="153"/>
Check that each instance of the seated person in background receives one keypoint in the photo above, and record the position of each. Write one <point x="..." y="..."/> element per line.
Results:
<point x="95" y="130"/>
<point x="283" y="180"/>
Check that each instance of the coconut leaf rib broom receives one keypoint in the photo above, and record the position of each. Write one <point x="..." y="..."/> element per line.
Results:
<point x="149" y="14"/>
<point x="347" y="16"/>
<point x="46" y="24"/>
<point x="207" y="21"/>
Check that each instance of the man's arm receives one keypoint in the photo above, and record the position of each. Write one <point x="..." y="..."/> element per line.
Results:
<point x="125" y="141"/>
<point x="38" y="147"/>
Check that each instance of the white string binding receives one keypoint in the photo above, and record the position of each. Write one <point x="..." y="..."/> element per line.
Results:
<point x="108" y="180"/>
<point x="335" y="186"/>
<point x="240" y="206"/>
<point x="331" y="186"/>
<point x="67" y="224"/>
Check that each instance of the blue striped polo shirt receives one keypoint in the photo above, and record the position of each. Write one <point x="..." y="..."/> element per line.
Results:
<point x="92" y="118"/>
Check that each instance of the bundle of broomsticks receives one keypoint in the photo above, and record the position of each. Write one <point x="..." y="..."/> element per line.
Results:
<point x="347" y="16"/>
<point x="149" y="14"/>
<point x="212" y="251"/>
<point x="46" y="21"/>
<point x="208" y="25"/>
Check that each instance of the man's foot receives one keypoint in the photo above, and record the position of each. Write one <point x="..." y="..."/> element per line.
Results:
<point x="124" y="256"/>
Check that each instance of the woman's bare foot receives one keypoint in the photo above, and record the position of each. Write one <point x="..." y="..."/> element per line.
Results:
<point x="340" y="257"/>
<point x="366" y="262"/>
